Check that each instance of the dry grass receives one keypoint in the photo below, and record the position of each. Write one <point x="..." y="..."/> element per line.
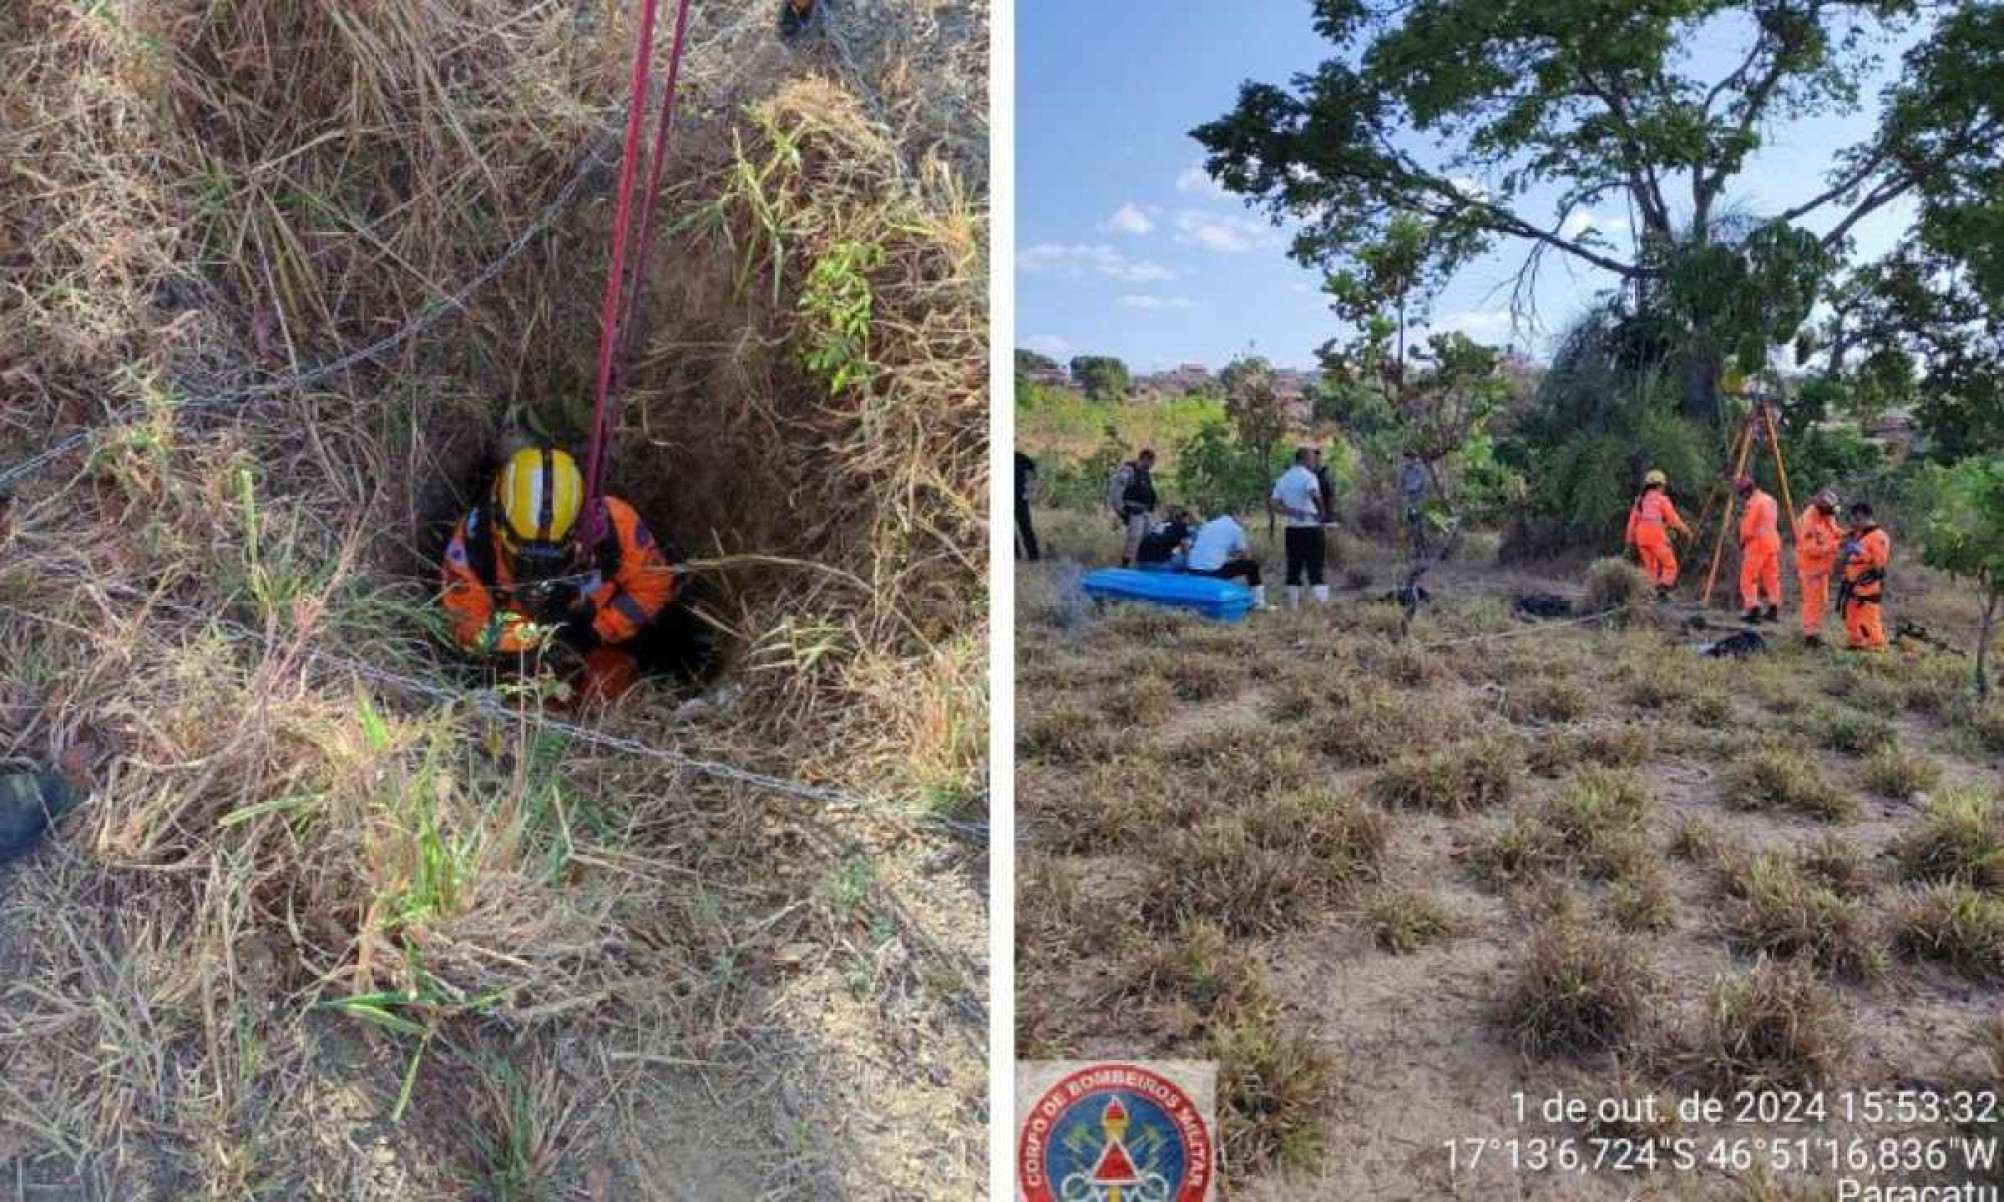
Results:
<point x="1776" y="1027"/>
<point x="492" y="946"/>
<point x="1617" y="586"/>
<point x="1955" y="925"/>
<point x="1900" y="773"/>
<point x="1782" y="778"/>
<point x="1265" y="866"/>
<point x="1782" y="913"/>
<point x="1960" y="838"/>
<point x="1460" y="779"/>
<point x="1403" y="921"/>
<point x="1578" y="991"/>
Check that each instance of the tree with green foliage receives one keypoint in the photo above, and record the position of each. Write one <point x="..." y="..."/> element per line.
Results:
<point x="1965" y="538"/>
<point x="1918" y="330"/>
<point x="1103" y="377"/>
<point x="1598" y="103"/>
<point x="1252" y="402"/>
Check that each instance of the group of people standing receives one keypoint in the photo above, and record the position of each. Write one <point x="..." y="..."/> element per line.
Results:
<point x="1856" y="555"/>
<point x="1302" y="499"/>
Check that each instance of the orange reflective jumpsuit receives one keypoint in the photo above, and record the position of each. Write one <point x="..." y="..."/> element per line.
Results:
<point x="1650" y="521"/>
<point x="1760" y="551"/>
<point x="1865" y="573"/>
<point x="627" y="586"/>
<point x="1817" y="537"/>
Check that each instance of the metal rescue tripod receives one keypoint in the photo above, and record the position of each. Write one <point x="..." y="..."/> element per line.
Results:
<point x="1758" y="427"/>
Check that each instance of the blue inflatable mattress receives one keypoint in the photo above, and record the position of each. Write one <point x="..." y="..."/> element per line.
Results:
<point x="1221" y="600"/>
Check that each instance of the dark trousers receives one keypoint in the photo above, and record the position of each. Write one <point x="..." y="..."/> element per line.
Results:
<point x="1306" y="552"/>
<point x="1026" y="534"/>
<point x="1235" y="569"/>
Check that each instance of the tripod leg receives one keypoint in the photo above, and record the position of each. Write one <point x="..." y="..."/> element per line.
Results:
<point x="1726" y="526"/>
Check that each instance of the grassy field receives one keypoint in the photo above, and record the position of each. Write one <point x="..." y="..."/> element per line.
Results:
<point x="1388" y="882"/>
<point x="316" y="935"/>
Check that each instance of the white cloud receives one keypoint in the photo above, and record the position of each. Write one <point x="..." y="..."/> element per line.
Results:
<point x="1469" y="186"/>
<point x="1075" y="260"/>
<point x="1228" y="234"/>
<point x="1194" y="179"/>
<point x="1129" y="218"/>
<point x="1134" y="301"/>
<point x="1483" y="325"/>
<point x="1048" y="344"/>
<point x="1578" y="223"/>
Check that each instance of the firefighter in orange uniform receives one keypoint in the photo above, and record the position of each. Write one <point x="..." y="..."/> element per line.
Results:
<point x="1650" y="521"/>
<point x="516" y="575"/>
<point x="1817" y="539"/>
<point x="1760" y="552"/>
<point x="1863" y="594"/>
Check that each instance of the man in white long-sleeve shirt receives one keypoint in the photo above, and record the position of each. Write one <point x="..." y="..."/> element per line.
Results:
<point x="1220" y="549"/>
<point x="1297" y="497"/>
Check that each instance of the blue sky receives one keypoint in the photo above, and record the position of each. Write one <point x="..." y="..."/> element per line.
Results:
<point x="1125" y="248"/>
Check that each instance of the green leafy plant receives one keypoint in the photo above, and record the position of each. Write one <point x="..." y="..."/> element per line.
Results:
<point x="837" y="305"/>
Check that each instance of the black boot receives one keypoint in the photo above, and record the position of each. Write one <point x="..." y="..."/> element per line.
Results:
<point x="1773" y="614"/>
<point x="1751" y="617"/>
<point x="1812" y="640"/>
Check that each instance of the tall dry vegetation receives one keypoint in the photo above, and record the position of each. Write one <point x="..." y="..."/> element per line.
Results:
<point x="294" y="889"/>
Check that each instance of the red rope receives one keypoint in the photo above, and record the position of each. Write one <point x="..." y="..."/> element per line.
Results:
<point x="621" y="299"/>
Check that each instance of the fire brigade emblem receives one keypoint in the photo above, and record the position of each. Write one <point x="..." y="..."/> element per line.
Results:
<point x="1115" y="1132"/>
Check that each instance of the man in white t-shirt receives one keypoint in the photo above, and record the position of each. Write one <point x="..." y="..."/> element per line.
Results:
<point x="1297" y="497"/>
<point x="1220" y="549"/>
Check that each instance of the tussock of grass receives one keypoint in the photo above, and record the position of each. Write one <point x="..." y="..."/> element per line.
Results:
<point x="1579" y="991"/>
<point x="1616" y="584"/>
<point x="1205" y="676"/>
<point x="1547" y="701"/>
<point x="1373" y="725"/>
<point x="1403" y="921"/>
<point x="1782" y="779"/>
<point x="1986" y="725"/>
<point x="1478" y="775"/>
<point x="1274" y="1083"/>
<point x="1199" y="972"/>
<point x="1267" y="866"/>
<point x="1237" y="759"/>
<point x="1776" y="1027"/>
<point x="1900" y="773"/>
<point x="1066" y="732"/>
<point x="1781" y="913"/>
<point x="1837" y="864"/>
<point x="1935" y="685"/>
<point x="1854" y="733"/>
<point x="1701" y="842"/>
<point x="1142" y="701"/>
<point x="1643" y="899"/>
<point x="1868" y="685"/>
<point x="1627" y="745"/>
<point x="1960" y="838"/>
<point x="1955" y="925"/>
<point x="1709" y="708"/>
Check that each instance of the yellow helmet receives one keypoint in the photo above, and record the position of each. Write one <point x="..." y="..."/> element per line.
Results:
<point x="538" y="496"/>
<point x="1655" y="476"/>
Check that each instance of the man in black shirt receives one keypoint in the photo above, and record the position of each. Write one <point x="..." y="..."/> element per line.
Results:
<point x="1026" y="492"/>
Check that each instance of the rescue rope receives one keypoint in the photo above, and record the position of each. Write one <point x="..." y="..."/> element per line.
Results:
<point x="621" y="300"/>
